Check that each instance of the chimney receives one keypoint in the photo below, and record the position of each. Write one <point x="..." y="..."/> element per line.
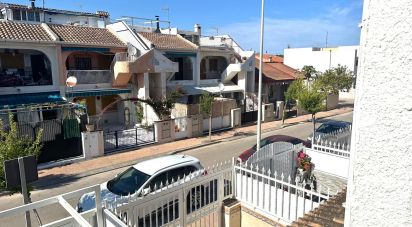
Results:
<point x="32" y="5"/>
<point x="198" y="29"/>
<point x="157" y="25"/>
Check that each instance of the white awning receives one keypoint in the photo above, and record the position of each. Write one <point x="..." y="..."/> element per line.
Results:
<point x="198" y="90"/>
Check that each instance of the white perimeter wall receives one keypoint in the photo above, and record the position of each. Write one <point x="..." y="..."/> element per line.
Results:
<point x="299" y="57"/>
<point x="380" y="180"/>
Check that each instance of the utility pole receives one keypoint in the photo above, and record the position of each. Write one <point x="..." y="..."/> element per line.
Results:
<point x="259" y="124"/>
<point x="327" y="34"/>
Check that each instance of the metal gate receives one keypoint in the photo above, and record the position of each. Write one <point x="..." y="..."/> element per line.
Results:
<point x="123" y="139"/>
<point x="250" y="116"/>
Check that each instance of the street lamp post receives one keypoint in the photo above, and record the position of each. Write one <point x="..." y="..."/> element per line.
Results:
<point x="259" y="125"/>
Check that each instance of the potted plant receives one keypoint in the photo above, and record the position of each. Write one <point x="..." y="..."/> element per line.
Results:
<point x="304" y="172"/>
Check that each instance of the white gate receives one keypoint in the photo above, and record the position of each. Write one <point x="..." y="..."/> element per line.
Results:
<point x="278" y="156"/>
<point x="274" y="193"/>
<point x="192" y="201"/>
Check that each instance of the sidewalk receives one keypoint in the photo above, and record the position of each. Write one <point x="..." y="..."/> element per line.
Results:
<point x="118" y="160"/>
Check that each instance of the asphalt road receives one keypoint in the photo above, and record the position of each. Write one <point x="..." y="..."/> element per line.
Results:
<point x="208" y="155"/>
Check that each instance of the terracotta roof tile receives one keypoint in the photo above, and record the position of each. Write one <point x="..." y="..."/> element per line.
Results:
<point x="270" y="58"/>
<point x="86" y="35"/>
<point x="167" y="42"/>
<point x="23" y="32"/>
<point x="278" y="72"/>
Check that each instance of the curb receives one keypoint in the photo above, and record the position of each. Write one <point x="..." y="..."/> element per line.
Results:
<point x="48" y="182"/>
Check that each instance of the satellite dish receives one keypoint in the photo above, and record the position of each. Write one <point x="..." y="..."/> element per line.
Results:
<point x="71" y="81"/>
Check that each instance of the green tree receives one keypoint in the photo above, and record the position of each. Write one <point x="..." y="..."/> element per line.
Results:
<point x="206" y="106"/>
<point x="334" y="80"/>
<point x="308" y="72"/>
<point x="12" y="146"/>
<point x="162" y="107"/>
<point x="292" y="93"/>
<point x="313" y="102"/>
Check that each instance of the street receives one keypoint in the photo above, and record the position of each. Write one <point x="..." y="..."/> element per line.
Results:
<point x="208" y="156"/>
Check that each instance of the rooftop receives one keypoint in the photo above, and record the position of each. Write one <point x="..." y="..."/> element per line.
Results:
<point x="49" y="10"/>
<point x="32" y="32"/>
<point x="276" y="70"/>
<point x="85" y="35"/>
<point x="168" y="42"/>
<point x="23" y="32"/>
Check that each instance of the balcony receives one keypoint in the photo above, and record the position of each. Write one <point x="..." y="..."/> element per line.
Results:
<point x="91" y="76"/>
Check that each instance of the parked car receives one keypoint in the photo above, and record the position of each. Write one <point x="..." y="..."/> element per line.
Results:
<point x="140" y="178"/>
<point x="329" y="127"/>
<point x="244" y="156"/>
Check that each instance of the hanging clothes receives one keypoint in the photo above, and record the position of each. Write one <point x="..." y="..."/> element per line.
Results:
<point x="71" y="128"/>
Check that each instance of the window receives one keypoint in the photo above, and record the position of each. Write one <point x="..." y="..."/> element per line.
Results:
<point x="127" y="182"/>
<point x="213" y="65"/>
<point x="30" y="15"/>
<point x="16" y="14"/>
<point x="23" y="15"/>
<point x="37" y="16"/>
<point x="158" y="180"/>
<point x="83" y="63"/>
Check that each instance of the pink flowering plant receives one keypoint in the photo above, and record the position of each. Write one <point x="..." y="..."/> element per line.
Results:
<point x="305" y="176"/>
<point x="304" y="161"/>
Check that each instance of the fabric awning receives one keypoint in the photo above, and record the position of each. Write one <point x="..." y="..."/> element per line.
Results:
<point x="7" y="101"/>
<point x="97" y="92"/>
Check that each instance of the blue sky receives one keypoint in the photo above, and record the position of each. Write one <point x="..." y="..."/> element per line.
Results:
<point x="297" y="23"/>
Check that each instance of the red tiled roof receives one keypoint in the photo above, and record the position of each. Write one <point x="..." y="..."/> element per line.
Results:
<point x="168" y="42"/>
<point x="270" y="58"/>
<point x="86" y="35"/>
<point x="277" y="72"/>
<point x="23" y="32"/>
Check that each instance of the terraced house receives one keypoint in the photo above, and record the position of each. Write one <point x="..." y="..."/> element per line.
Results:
<point x="35" y="60"/>
<point x="162" y="60"/>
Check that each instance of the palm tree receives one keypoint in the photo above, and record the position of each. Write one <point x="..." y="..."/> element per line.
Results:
<point x="308" y="71"/>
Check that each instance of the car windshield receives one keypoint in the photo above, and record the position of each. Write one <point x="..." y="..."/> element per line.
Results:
<point x="263" y="143"/>
<point x="327" y="128"/>
<point x="127" y="182"/>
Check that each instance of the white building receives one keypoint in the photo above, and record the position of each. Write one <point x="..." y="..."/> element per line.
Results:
<point x="164" y="60"/>
<point x="380" y="182"/>
<point x="37" y="13"/>
<point x="322" y="58"/>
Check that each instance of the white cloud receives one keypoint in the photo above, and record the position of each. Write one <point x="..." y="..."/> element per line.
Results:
<point x="279" y="33"/>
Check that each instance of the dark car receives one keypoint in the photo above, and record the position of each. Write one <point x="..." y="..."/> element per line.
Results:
<point x="329" y="127"/>
<point x="272" y="139"/>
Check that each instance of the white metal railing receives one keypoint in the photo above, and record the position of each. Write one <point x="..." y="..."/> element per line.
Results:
<point x="181" y="201"/>
<point x="340" y="135"/>
<point x="91" y="76"/>
<point x="278" y="156"/>
<point x="325" y="146"/>
<point x="75" y="218"/>
<point x="194" y="199"/>
<point x="274" y="194"/>
<point x="330" y="157"/>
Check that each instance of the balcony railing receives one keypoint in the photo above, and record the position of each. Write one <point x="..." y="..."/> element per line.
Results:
<point x="91" y="76"/>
